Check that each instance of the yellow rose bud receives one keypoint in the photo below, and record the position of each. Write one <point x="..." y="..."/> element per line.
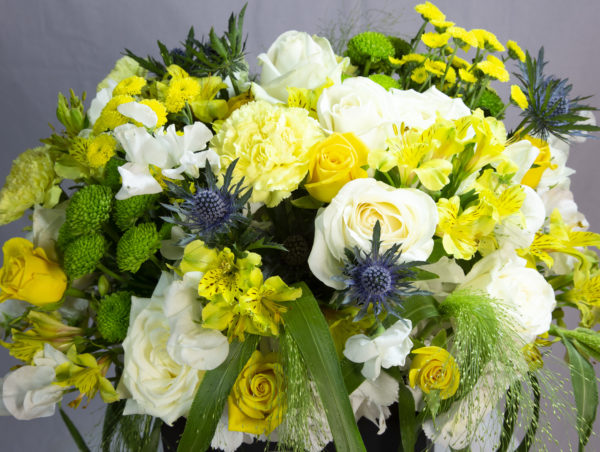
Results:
<point x="29" y="275"/>
<point x="434" y="369"/>
<point x="335" y="161"/>
<point x="256" y="402"/>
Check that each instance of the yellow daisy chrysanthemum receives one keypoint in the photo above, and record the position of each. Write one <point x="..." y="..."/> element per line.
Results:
<point x="441" y="25"/>
<point x="159" y="108"/>
<point x="435" y="40"/>
<point x="487" y="40"/>
<point x="429" y="11"/>
<point x="458" y="63"/>
<point x="515" y="52"/>
<point x="466" y="76"/>
<point x="517" y="95"/>
<point x="110" y="116"/>
<point x="435" y="67"/>
<point x="130" y="86"/>
<point x="180" y="91"/>
<point x="494" y="68"/>
<point x="409" y="58"/>
<point x="100" y="150"/>
<point x="463" y="37"/>
<point x="419" y="75"/>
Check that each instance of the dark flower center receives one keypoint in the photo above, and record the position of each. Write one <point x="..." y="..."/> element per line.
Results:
<point x="209" y="207"/>
<point x="376" y="280"/>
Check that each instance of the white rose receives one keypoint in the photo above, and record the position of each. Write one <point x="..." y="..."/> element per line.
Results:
<point x="298" y="60"/>
<point x="152" y="380"/>
<point x="358" y="105"/>
<point x="525" y="294"/>
<point x="386" y="350"/>
<point x="407" y="216"/>
<point x="420" y="110"/>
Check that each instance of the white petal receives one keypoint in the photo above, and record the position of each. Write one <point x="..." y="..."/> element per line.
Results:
<point x="137" y="180"/>
<point x="359" y="348"/>
<point x="140" y="113"/>
<point x="28" y="392"/>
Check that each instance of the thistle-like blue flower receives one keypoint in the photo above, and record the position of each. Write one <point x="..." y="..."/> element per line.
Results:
<point x="550" y="109"/>
<point x="209" y="210"/>
<point x="377" y="279"/>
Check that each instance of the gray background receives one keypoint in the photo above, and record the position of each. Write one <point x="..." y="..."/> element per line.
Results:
<point x="47" y="46"/>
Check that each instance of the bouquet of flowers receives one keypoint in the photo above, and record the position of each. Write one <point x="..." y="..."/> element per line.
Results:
<point x="275" y="259"/>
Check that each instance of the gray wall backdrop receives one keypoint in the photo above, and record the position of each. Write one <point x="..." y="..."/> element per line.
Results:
<point x="47" y="46"/>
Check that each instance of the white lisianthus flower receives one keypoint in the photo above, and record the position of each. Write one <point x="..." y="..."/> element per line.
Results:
<point x="386" y="350"/>
<point x="152" y="381"/>
<point x="189" y="343"/>
<point x="407" y="216"/>
<point x="373" y="398"/>
<point x="29" y="392"/>
<point x="297" y="60"/>
<point x="518" y="230"/>
<point x="174" y="154"/>
<point x="525" y="295"/>
<point x="421" y="110"/>
<point x="361" y="106"/>
<point x="140" y="113"/>
<point x="99" y="102"/>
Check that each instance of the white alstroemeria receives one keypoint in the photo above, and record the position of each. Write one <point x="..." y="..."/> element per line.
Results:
<point x="140" y="113"/>
<point x="99" y="102"/>
<point x="558" y="175"/>
<point x="388" y="349"/>
<point x="562" y="199"/>
<point x="518" y="231"/>
<point x="45" y="227"/>
<point x="29" y="392"/>
<point x="173" y="153"/>
<point x="189" y="343"/>
<point x="522" y="153"/>
<point x="373" y="398"/>
<point x="137" y="180"/>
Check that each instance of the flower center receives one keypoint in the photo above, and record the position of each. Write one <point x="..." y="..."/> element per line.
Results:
<point x="376" y="280"/>
<point x="209" y="207"/>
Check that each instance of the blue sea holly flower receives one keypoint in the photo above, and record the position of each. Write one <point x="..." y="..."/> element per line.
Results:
<point x="376" y="279"/>
<point x="209" y="210"/>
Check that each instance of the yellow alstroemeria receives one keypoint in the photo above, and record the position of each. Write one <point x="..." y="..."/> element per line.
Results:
<point x="224" y="275"/>
<point x="542" y="162"/>
<point x="489" y="140"/>
<point x="87" y="375"/>
<point x="461" y="231"/>
<point x="503" y="200"/>
<point x="205" y="107"/>
<point x="307" y="98"/>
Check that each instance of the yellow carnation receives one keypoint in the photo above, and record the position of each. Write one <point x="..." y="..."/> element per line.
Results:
<point x="272" y="145"/>
<point x="29" y="182"/>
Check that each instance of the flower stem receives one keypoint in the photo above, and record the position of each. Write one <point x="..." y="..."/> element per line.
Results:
<point x="107" y="271"/>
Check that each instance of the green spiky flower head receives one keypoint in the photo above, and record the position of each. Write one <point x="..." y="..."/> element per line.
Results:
<point x="89" y="209"/>
<point x="83" y="254"/>
<point x="113" y="316"/>
<point x="136" y="246"/>
<point x="369" y="46"/>
<point x="127" y="211"/>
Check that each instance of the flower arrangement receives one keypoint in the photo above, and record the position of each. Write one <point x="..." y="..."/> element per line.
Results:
<point x="275" y="259"/>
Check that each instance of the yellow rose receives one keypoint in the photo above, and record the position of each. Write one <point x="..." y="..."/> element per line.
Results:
<point x="336" y="160"/>
<point x="434" y="368"/>
<point x="29" y="275"/>
<point x="256" y="402"/>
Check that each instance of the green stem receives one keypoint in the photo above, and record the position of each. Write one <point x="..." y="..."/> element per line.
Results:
<point x="415" y="42"/>
<point x="156" y="262"/>
<point x="367" y="68"/>
<point x="76" y="293"/>
<point x="108" y="272"/>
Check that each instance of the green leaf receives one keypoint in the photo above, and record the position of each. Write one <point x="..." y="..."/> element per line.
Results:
<point x="307" y="202"/>
<point x="585" y="390"/>
<point x="420" y="307"/>
<point x="79" y="441"/>
<point x="211" y="397"/>
<point x="440" y="339"/>
<point x="112" y="416"/>
<point x="308" y="328"/>
<point x="408" y="419"/>
<point x="510" y="417"/>
<point x="353" y="377"/>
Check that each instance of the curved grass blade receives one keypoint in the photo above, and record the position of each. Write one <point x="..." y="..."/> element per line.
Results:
<point x="79" y="441"/>
<point x="308" y="328"/>
<point x="408" y="419"/>
<point x="533" y="425"/>
<point x="211" y="397"/>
